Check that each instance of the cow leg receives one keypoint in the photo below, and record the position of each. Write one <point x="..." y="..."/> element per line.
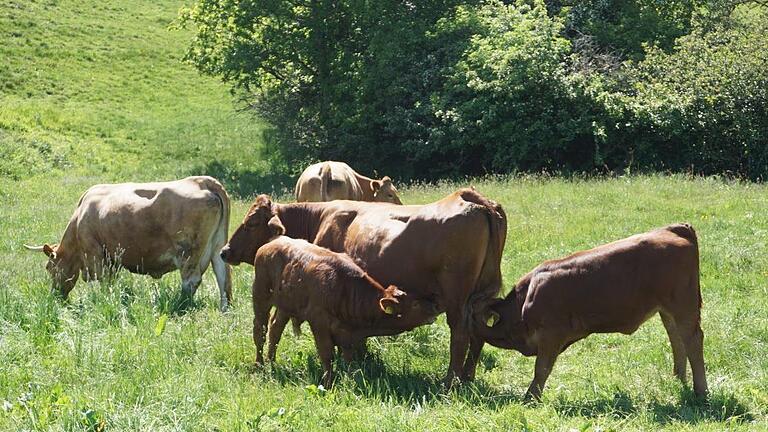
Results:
<point x="470" y="365"/>
<point x="260" y="316"/>
<point x="548" y="351"/>
<point x="459" y="345"/>
<point x="693" y="337"/>
<point x="325" y="348"/>
<point x="276" y="326"/>
<point x="223" y="280"/>
<point x="678" y="347"/>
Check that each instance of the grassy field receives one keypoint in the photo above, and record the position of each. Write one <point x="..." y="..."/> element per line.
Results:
<point x="104" y="357"/>
<point x="94" y="91"/>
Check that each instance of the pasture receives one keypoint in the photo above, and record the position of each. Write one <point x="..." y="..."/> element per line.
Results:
<point x="94" y="91"/>
<point x="127" y="357"/>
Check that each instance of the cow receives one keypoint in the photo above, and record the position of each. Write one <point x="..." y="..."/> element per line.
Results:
<point x="330" y="180"/>
<point x="611" y="288"/>
<point x="342" y="303"/>
<point x="146" y="228"/>
<point x="448" y="252"/>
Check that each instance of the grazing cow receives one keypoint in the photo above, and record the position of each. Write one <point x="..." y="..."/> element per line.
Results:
<point x="611" y="288"/>
<point x="147" y="228"/>
<point x="327" y="181"/>
<point x="342" y="304"/>
<point x="448" y="252"/>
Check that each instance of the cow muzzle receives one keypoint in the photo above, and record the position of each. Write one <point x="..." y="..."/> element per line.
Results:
<point x="225" y="253"/>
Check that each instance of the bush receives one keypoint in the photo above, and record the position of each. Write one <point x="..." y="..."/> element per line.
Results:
<point x="702" y="107"/>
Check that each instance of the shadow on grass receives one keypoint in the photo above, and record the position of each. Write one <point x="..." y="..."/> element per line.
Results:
<point x="372" y="378"/>
<point x="690" y="409"/>
<point x="242" y="182"/>
<point x="175" y="303"/>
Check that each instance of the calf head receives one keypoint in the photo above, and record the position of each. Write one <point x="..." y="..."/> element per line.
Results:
<point x="500" y="324"/>
<point x="260" y="225"/>
<point x="63" y="267"/>
<point x="409" y="312"/>
<point x="385" y="191"/>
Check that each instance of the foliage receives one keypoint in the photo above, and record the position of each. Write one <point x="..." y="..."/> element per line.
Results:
<point x="703" y="107"/>
<point x="446" y="88"/>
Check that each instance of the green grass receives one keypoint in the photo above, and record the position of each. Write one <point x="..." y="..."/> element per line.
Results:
<point x="98" y="87"/>
<point x="100" y="352"/>
<point x="94" y="91"/>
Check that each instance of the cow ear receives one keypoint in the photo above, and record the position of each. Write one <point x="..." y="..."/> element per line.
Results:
<point x="492" y="318"/>
<point x="375" y="185"/>
<point x="276" y="227"/>
<point x="386" y="180"/>
<point x="389" y="305"/>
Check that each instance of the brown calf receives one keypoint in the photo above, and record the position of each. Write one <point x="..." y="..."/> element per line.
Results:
<point x="342" y="304"/>
<point x="611" y="288"/>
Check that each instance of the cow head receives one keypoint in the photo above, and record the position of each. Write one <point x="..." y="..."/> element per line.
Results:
<point x="410" y="312"/>
<point x="63" y="267"/>
<point x="260" y="225"/>
<point x="385" y="191"/>
<point x="500" y="324"/>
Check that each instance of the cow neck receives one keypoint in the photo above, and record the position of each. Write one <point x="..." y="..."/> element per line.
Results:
<point x="301" y="220"/>
<point x="365" y="185"/>
<point x="68" y="247"/>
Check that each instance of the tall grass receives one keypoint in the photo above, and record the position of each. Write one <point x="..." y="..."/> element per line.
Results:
<point x="103" y="358"/>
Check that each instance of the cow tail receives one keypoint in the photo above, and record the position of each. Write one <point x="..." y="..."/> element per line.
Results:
<point x="687" y="232"/>
<point x="325" y="180"/>
<point x="220" y="234"/>
<point x="489" y="283"/>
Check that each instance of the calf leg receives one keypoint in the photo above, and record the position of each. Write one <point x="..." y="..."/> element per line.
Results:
<point x="223" y="280"/>
<point x="548" y="351"/>
<point x="324" y="345"/>
<point x="693" y="337"/>
<point x="276" y="326"/>
<point x="260" y="314"/>
<point x="678" y="347"/>
<point x="470" y="365"/>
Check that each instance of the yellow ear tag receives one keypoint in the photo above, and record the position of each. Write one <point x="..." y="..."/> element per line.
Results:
<point x="389" y="310"/>
<point x="492" y="320"/>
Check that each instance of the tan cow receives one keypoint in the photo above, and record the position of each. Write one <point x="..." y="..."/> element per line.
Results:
<point x="447" y="252"/>
<point x="611" y="288"/>
<point x="147" y="228"/>
<point x="327" y="181"/>
<point x="342" y="303"/>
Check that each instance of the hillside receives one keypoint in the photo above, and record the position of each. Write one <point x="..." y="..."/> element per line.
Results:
<point x="99" y="88"/>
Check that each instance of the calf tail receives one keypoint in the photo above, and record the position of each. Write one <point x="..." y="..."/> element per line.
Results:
<point x="687" y="232"/>
<point x="296" y="323"/>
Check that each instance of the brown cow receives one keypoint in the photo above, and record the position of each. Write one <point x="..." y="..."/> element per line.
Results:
<point x="147" y="228"/>
<point x="330" y="180"/>
<point x="342" y="304"/>
<point x="448" y="252"/>
<point x="611" y="288"/>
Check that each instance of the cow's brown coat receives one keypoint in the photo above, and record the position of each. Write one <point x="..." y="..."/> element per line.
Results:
<point x="611" y="288"/>
<point x="341" y="303"/>
<point x="448" y="252"/>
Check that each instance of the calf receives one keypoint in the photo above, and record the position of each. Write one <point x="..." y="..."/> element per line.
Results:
<point x="342" y="304"/>
<point x="611" y="288"/>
